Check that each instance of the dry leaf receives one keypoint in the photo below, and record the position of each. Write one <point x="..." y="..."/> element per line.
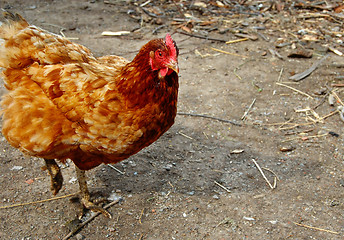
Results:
<point x="310" y="38"/>
<point x="186" y="29"/>
<point x="301" y="53"/>
<point x="205" y="23"/>
<point x="339" y="9"/>
<point x="287" y="148"/>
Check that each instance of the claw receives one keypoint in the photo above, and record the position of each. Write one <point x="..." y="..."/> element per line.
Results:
<point x="93" y="207"/>
<point x="85" y="195"/>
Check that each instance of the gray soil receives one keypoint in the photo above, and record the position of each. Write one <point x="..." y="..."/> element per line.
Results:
<point x="171" y="190"/>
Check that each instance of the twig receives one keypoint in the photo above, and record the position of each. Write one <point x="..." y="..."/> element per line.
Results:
<point x="237" y="75"/>
<point x="280" y="75"/>
<point x="224" y="221"/>
<point x="237" y="40"/>
<point x="146" y="11"/>
<point x="267" y="169"/>
<point x="275" y="53"/>
<point x="210" y="117"/>
<point x="169" y="183"/>
<point x="202" y="37"/>
<point x="275" y="177"/>
<point x="295" y="126"/>
<point x="184" y="135"/>
<point x="116" y="169"/>
<point x="316" y="228"/>
<point x="157" y="29"/>
<point x="141" y="236"/>
<point x="145" y="3"/>
<point x="275" y="124"/>
<point x="336" y="97"/>
<point x="305" y="137"/>
<point x="234" y="54"/>
<point x="330" y="114"/>
<point x="249" y="109"/>
<point x="287" y="122"/>
<point x="300" y="76"/>
<point x="338" y="85"/>
<point x="321" y="102"/>
<point x="261" y="171"/>
<point x="223" y="187"/>
<point x="89" y="220"/>
<point x="40" y="201"/>
<point x="143" y="209"/>
<point x="302" y="124"/>
<point x="239" y="66"/>
<point x="294" y="89"/>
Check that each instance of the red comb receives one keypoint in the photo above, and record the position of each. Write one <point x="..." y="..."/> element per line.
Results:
<point x="170" y="44"/>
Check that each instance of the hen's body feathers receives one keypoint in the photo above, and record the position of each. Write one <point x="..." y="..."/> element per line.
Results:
<point x="65" y="103"/>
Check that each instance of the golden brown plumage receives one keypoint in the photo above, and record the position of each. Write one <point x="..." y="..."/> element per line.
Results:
<point x="65" y="103"/>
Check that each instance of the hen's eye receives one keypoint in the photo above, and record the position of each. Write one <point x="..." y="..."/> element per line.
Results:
<point x="159" y="54"/>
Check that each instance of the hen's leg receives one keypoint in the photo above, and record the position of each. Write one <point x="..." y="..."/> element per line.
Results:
<point x="55" y="174"/>
<point x="85" y="194"/>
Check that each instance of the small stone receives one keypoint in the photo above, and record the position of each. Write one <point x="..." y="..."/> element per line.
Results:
<point x="132" y="164"/>
<point x="273" y="222"/>
<point x="216" y="197"/>
<point x="17" y="168"/>
<point x="79" y="236"/>
<point x="168" y="167"/>
<point x="320" y="91"/>
<point x="334" y="134"/>
<point x="73" y="180"/>
<point x="334" y="203"/>
<point x="287" y="148"/>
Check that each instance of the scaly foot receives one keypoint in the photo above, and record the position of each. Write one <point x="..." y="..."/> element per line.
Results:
<point x="55" y="175"/>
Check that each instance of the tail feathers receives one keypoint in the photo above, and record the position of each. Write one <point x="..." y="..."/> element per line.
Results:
<point x="14" y="23"/>
<point x="13" y="17"/>
<point x="23" y="44"/>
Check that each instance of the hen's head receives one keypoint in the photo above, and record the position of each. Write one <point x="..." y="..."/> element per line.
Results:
<point x="163" y="56"/>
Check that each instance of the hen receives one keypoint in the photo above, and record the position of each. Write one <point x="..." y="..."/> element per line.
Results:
<point x="64" y="103"/>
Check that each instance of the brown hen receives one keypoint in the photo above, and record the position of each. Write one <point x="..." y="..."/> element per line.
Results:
<point x="64" y="103"/>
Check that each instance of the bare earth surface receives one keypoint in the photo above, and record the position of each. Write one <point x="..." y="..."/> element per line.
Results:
<point x="171" y="190"/>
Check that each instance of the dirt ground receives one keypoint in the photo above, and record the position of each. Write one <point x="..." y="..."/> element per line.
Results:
<point x="171" y="190"/>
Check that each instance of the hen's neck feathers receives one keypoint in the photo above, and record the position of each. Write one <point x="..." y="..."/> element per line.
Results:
<point x="140" y="84"/>
<point x="141" y="60"/>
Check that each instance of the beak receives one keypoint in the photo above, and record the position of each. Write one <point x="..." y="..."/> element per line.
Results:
<point x="173" y="65"/>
